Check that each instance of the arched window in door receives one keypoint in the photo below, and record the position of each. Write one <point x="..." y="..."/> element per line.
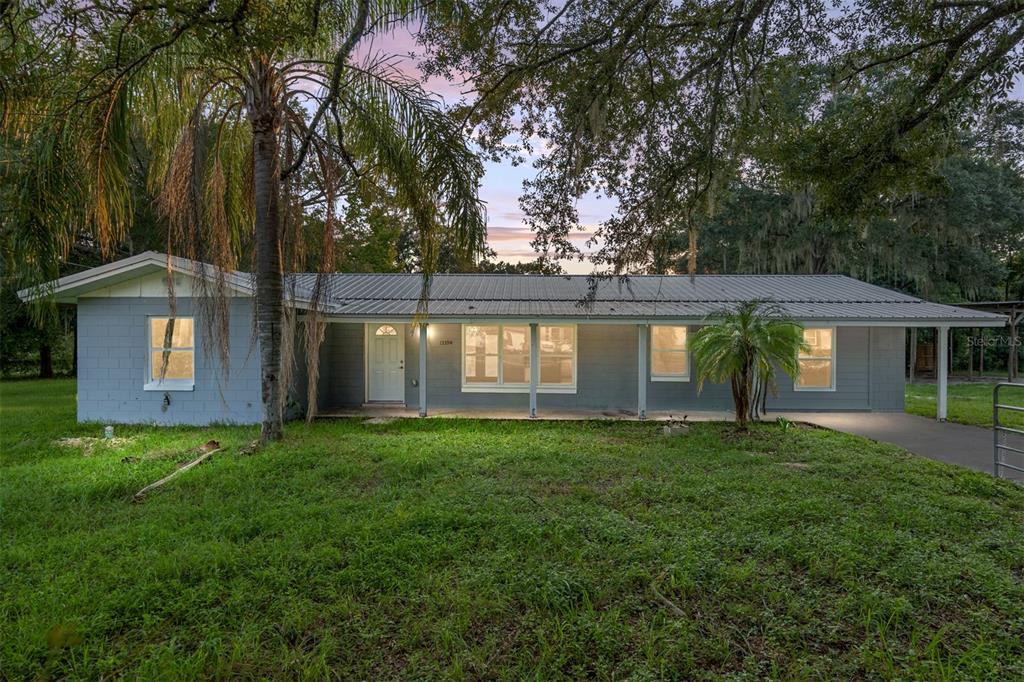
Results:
<point x="386" y="330"/>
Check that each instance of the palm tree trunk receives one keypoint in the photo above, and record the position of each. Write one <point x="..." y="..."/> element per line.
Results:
<point x="265" y="118"/>
<point x="741" y="398"/>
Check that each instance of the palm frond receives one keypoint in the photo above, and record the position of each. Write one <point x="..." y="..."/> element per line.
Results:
<point x="745" y="345"/>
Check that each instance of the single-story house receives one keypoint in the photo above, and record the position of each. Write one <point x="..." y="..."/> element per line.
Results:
<point x="509" y="342"/>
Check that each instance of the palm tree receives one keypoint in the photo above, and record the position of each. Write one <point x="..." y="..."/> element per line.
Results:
<point x="742" y="346"/>
<point x="253" y="116"/>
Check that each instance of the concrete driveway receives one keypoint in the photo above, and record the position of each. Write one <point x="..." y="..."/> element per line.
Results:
<point x="966" y="446"/>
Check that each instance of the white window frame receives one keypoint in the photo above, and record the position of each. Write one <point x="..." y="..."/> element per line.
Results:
<point x="832" y="358"/>
<point x="686" y="349"/>
<point x="502" y="387"/>
<point x="152" y="347"/>
<point x="561" y="388"/>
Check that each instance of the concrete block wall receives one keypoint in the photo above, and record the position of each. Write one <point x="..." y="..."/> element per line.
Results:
<point x="113" y="348"/>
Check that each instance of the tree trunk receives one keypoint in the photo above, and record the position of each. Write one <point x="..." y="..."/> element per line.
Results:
<point x="45" y="361"/>
<point x="691" y="259"/>
<point x="265" y="118"/>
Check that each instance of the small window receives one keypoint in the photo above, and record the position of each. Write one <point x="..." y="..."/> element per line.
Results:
<point x="386" y="330"/>
<point x="818" y="362"/>
<point x="171" y="353"/>
<point x="670" y="358"/>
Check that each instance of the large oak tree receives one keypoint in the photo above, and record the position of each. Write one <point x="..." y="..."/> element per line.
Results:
<point x="660" y="104"/>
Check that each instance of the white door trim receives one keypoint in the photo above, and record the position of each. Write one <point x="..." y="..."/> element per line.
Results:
<point x="369" y="331"/>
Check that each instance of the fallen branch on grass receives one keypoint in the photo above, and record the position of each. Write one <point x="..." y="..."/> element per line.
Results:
<point x="668" y="603"/>
<point x="208" y="449"/>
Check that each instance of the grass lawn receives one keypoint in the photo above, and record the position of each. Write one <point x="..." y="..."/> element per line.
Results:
<point x="470" y="550"/>
<point x="968" y="403"/>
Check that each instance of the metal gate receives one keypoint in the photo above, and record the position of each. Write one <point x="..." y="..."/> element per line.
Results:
<point x="999" y="447"/>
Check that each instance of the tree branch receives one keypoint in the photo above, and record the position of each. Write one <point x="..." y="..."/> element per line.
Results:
<point x="340" y="59"/>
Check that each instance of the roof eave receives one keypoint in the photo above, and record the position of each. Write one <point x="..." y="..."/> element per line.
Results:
<point x="648" y="319"/>
<point x="67" y="289"/>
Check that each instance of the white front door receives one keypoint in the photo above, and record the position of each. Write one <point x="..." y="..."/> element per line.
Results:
<point x="385" y="362"/>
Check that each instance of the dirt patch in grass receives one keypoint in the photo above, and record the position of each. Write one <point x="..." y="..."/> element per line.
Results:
<point x="89" y="443"/>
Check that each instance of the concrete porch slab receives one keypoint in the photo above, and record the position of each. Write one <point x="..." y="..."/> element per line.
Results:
<point x="400" y="411"/>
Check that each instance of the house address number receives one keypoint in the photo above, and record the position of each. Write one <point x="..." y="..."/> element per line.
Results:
<point x="444" y="342"/>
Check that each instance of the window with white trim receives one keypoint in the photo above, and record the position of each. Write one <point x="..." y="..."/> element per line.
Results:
<point x="670" y="357"/>
<point x="817" y="364"/>
<point x="496" y="357"/>
<point x="171" y="353"/>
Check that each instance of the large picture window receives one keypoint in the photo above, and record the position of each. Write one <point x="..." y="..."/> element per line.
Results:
<point x="171" y="353"/>
<point x="818" y="363"/>
<point x="496" y="357"/>
<point x="670" y="358"/>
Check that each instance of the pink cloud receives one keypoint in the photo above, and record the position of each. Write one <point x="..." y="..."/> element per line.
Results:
<point x="511" y="234"/>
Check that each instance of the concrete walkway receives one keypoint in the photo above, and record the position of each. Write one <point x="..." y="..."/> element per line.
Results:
<point x="966" y="446"/>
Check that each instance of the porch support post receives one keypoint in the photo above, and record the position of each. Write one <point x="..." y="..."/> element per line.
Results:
<point x="1011" y="358"/>
<point x="941" y="372"/>
<point x="423" y="369"/>
<point x="534" y="367"/>
<point x="913" y="353"/>
<point x="641" y="372"/>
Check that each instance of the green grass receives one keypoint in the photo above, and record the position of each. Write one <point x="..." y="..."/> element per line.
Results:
<point x="967" y="403"/>
<point x="467" y="549"/>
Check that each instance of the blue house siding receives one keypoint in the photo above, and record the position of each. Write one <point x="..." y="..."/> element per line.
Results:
<point x="606" y="373"/>
<point x="888" y="367"/>
<point x="113" y="365"/>
<point x="113" y="345"/>
<point x="853" y="360"/>
<point x="342" y="367"/>
<point x="869" y="376"/>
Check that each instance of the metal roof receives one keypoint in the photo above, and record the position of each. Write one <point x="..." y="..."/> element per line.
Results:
<point x="805" y="297"/>
<point x="480" y="296"/>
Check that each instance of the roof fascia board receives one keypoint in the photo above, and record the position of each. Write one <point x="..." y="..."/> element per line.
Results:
<point x="449" y="319"/>
<point x="68" y="288"/>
